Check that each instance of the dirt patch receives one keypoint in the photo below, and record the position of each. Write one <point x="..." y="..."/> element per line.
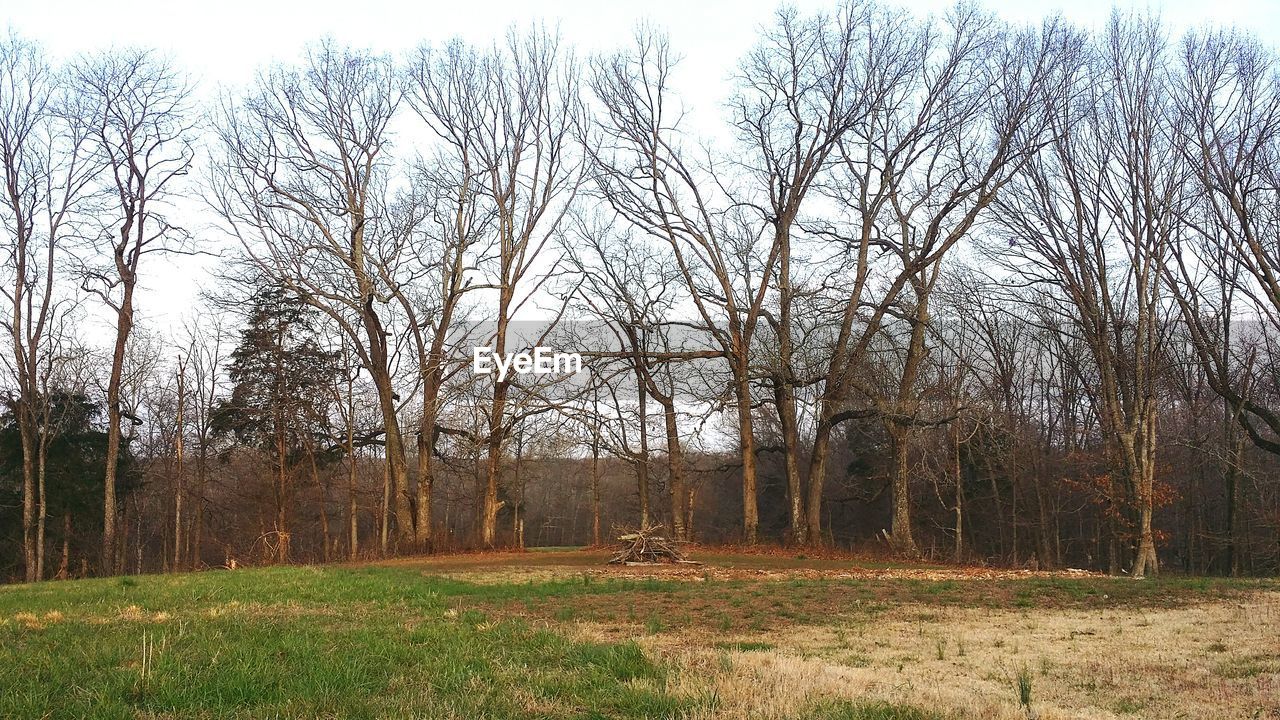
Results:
<point x="712" y="572"/>
<point x="717" y="564"/>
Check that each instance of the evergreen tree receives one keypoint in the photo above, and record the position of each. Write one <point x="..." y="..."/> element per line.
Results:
<point x="74" y="467"/>
<point x="280" y="375"/>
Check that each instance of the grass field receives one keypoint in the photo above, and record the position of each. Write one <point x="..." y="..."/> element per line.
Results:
<point x="558" y="634"/>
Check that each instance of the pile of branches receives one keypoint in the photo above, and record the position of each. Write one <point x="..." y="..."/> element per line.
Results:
<point x="645" y="546"/>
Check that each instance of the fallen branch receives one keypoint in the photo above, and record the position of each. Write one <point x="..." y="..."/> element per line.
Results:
<point x="644" y="546"/>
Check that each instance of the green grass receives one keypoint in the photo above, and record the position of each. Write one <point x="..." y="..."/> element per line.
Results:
<point x="396" y="641"/>
<point x="305" y="643"/>
<point x="751" y="605"/>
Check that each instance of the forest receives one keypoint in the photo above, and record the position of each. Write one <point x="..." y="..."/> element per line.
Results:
<point x="947" y="288"/>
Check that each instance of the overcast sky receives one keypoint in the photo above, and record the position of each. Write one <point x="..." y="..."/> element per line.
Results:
<point x="222" y="43"/>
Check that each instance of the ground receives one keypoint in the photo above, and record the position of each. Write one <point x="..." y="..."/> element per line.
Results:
<point x="560" y="634"/>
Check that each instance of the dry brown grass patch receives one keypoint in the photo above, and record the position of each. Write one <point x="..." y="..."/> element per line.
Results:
<point x="1218" y="659"/>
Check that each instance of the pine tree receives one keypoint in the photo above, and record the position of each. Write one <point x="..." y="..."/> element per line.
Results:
<point x="280" y="373"/>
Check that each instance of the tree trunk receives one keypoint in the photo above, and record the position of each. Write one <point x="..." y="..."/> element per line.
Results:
<point x="595" y="485"/>
<point x="27" y="435"/>
<point x="784" y="399"/>
<point x="959" y="506"/>
<point x="675" y="471"/>
<point x="42" y="512"/>
<point x="493" y="464"/>
<point x="282" y="491"/>
<point x="747" y="447"/>
<point x="352" y="517"/>
<point x="124" y="325"/>
<point x="384" y="527"/>
<point x="177" y="476"/>
<point x="433" y="380"/>
<point x="900" y="432"/>
<point x="692" y="495"/>
<point x="784" y="393"/>
<point x="493" y="469"/>
<point x="64" y="563"/>
<point x="517" y="522"/>
<point x="426" y="477"/>
<point x="1146" y="562"/>
<point x="642" y="463"/>
<point x="397" y="465"/>
<point x="900" y="535"/>
<point x="818" y="476"/>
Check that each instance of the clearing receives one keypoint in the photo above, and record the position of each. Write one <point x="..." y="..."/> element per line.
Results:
<point x="559" y="634"/>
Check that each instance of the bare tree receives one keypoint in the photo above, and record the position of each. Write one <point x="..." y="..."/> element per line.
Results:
<point x="798" y="94"/>
<point x="135" y="108"/>
<point x="449" y="227"/>
<point x="506" y="118"/>
<point x="632" y="286"/>
<point x="205" y="352"/>
<point x="1225" y="274"/>
<point x="954" y="116"/>
<point x="302" y="183"/>
<point x="647" y="178"/>
<point x="1091" y="220"/>
<point x="44" y="176"/>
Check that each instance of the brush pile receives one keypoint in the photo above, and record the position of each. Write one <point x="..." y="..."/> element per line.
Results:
<point x="646" y="546"/>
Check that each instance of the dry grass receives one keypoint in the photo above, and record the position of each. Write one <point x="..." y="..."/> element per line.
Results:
<point x="1139" y="652"/>
<point x="1218" y="659"/>
<point x="954" y="641"/>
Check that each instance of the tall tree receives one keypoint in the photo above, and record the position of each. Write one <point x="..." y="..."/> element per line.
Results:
<point x="135" y="108"/>
<point x="506" y="119"/>
<point x="445" y="225"/>
<point x="650" y="180"/>
<point x="45" y="171"/>
<point x="301" y="182"/>
<point x="1090" y="221"/>
<point x="797" y="95"/>
<point x="953" y="115"/>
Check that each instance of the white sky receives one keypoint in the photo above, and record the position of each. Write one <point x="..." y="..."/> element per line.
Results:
<point x="222" y="43"/>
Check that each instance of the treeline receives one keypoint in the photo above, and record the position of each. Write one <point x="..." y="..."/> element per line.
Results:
<point x="949" y="286"/>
